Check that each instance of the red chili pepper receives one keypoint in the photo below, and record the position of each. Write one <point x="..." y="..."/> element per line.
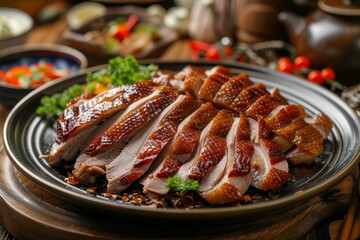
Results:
<point x="197" y="45"/>
<point x="131" y="21"/>
<point x="124" y="30"/>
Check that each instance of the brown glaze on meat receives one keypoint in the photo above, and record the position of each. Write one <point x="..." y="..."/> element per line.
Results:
<point x="230" y="89"/>
<point x="133" y="121"/>
<point x="104" y="109"/>
<point x="187" y="139"/>
<point x="214" y="147"/>
<point x="247" y="97"/>
<point x="166" y="131"/>
<point x="217" y="76"/>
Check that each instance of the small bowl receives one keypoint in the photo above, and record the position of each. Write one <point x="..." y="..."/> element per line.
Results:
<point x="61" y="57"/>
<point x="18" y="22"/>
<point x="77" y="38"/>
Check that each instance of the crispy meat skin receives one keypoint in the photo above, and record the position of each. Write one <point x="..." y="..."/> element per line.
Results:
<point x="133" y="121"/>
<point x="104" y="108"/>
<point x="217" y="76"/>
<point x="230" y="89"/>
<point x="224" y="152"/>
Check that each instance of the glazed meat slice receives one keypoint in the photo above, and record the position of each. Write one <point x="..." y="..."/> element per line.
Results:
<point x="212" y="150"/>
<point x="230" y="89"/>
<point x="86" y="101"/>
<point x="322" y="123"/>
<point x="190" y="79"/>
<point x="193" y="82"/>
<point x="190" y="133"/>
<point x="262" y="106"/>
<point x="237" y="174"/>
<point x="217" y="76"/>
<point x="284" y="135"/>
<point x="133" y="121"/>
<point x="308" y="141"/>
<point x="283" y="115"/>
<point x="307" y="135"/>
<point x="75" y="106"/>
<point x="186" y="70"/>
<point x="163" y="77"/>
<point x="144" y="148"/>
<point x="67" y="147"/>
<point x="104" y="109"/>
<point x="269" y="168"/>
<point x="248" y="96"/>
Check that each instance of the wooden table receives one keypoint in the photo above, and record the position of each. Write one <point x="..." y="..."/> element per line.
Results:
<point x="51" y="33"/>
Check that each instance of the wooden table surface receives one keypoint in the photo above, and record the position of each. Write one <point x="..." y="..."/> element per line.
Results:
<point x="52" y="33"/>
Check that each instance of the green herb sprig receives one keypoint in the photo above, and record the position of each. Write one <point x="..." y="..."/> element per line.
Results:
<point x="182" y="186"/>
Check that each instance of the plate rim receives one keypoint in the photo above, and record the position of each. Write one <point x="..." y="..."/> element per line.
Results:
<point x="181" y="213"/>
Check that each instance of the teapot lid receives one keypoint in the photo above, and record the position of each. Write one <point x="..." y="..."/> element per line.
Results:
<point x="340" y="7"/>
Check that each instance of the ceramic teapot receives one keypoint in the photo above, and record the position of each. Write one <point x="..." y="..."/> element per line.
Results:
<point x="330" y="37"/>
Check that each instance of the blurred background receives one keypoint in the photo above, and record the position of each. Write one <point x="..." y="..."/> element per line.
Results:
<point x="325" y="33"/>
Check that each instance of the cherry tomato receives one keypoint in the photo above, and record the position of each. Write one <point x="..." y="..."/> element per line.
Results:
<point x="284" y="64"/>
<point x="315" y="77"/>
<point x="214" y="53"/>
<point x="301" y="62"/>
<point x="328" y="74"/>
<point x="283" y="60"/>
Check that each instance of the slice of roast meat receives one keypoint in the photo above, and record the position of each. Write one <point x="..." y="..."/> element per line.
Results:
<point x="262" y="106"/>
<point x="230" y="89"/>
<point x="283" y="115"/>
<point x="132" y="164"/>
<point x="163" y="77"/>
<point x="248" y="96"/>
<point x="133" y="121"/>
<point x="104" y="109"/>
<point x="186" y="70"/>
<point x="307" y="138"/>
<point x="269" y="168"/>
<point x="190" y="133"/>
<point x="284" y="135"/>
<point x="102" y="158"/>
<point x="237" y="174"/>
<point x="68" y="148"/>
<point x="86" y="101"/>
<point x="212" y="150"/>
<point x="322" y="123"/>
<point x="217" y="76"/>
<point x="75" y="106"/>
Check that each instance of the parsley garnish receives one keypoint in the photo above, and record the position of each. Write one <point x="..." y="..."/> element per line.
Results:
<point x="182" y="186"/>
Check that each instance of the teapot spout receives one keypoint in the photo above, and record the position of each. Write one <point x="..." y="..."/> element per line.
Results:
<point x="293" y="24"/>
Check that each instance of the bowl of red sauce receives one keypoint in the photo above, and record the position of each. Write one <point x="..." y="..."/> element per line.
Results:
<point x="26" y="67"/>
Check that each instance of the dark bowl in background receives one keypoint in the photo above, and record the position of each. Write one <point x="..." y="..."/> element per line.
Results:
<point x="76" y="37"/>
<point x="61" y="57"/>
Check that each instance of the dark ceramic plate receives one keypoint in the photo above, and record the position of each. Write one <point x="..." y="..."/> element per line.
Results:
<point x="27" y="137"/>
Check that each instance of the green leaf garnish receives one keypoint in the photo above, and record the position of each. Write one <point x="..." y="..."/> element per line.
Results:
<point x="182" y="186"/>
